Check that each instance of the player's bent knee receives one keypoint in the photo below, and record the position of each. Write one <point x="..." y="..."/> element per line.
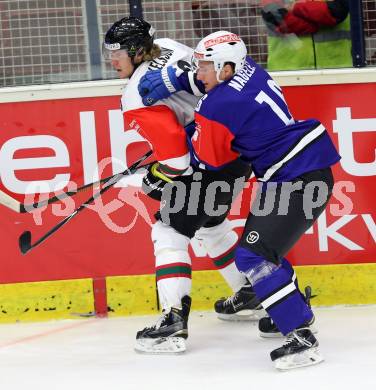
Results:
<point x="246" y="260"/>
<point x="165" y="237"/>
<point x="263" y="245"/>
<point x="212" y="236"/>
<point x="254" y="266"/>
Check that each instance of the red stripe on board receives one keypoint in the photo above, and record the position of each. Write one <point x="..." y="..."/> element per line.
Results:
<point x="100" y="296"/>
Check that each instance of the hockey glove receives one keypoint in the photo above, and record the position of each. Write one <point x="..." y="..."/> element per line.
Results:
<point x="154" y="181"/>
<point x="158" y="84"/>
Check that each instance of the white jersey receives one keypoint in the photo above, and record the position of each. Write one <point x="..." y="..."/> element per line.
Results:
<point x="182" y="103"/>
<point x="163" y="123"/>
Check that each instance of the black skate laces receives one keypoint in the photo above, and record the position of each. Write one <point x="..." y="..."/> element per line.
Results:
<point x="233" y="299"/>
<point x="160" y="320"/>
<point x="294" y="337"/>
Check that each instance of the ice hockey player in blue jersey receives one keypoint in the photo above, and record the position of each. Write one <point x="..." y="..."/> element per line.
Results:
<point x="243" y="114"/>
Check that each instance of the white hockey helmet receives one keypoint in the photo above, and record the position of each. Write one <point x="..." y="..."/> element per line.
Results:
<point x="220" y="47"/>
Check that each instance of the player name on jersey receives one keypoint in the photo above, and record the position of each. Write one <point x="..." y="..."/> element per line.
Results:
<point x="241" y="77"/>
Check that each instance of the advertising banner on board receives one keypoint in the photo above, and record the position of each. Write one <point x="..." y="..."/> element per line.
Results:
<point x="53" y="146"/>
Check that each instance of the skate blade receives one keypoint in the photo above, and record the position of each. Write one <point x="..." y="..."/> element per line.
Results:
<point x="244" y="315"/>
<point x="276" y="335"/>
<point x="303" y="359"/>
<point x="163" y="345"/>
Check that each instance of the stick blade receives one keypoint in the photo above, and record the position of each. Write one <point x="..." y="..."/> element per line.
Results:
<point x="9" y="202"/>
<point x="25" y="242"/>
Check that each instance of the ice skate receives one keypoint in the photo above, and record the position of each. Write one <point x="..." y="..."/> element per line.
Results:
<point x="300" y="350"/>
<point x="241" y="306"/>
<point x="268" y="329"/>
<point x="168" y="334"/>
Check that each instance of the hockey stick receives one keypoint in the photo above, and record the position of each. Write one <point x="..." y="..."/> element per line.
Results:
<point x="8" y="201"/>
<point x="24" y="242"/>
<point x="24" y="208"/>
<point x="15" y="205"/>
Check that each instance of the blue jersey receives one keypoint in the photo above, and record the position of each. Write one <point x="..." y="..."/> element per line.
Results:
<point x="247" y="117"/>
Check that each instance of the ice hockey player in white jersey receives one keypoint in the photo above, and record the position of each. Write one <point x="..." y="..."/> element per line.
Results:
<point x="130" y="46"/>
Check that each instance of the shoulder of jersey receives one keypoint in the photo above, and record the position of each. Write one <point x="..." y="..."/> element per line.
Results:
<point x="172" y="52"/>
<point x="219" y="102"/>
<point x="131" y="99"/>
<point x="234" y="95"/>
<point x="244" y="85"/>
<point x="180" y="49"/>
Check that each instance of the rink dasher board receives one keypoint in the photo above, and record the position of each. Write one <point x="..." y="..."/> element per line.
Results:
<point x="115" y="87"/>
<point x="344" y="284"/>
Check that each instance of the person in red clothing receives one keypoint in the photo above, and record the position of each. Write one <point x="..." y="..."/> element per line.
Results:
<point x="307" y="33"/>
<point x="303" y="17"/>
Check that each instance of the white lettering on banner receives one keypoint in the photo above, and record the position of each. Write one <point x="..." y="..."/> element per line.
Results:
<point x="371" y="225"/>
<point x="345" y="126"/>
<point x="324" y="233"/>
<point x="120" y="140"/>
<point x="331" y="231"/>
<point x="89" y="146"/>
<point x="9" y="164"/>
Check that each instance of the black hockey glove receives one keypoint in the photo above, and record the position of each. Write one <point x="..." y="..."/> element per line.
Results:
<point x="273" y="15"/>
<point x="154" y="181"/>
<point x="339" y="9"/>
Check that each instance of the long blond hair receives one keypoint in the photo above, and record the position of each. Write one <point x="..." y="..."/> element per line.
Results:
<point x="152" y="54"/>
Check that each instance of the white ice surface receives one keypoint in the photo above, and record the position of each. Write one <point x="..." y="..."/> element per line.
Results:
<point x="98" y="354"/>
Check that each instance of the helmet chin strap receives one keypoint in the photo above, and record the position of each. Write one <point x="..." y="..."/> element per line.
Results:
<point x="218" y="73"/>
<point x="135" y="66"/>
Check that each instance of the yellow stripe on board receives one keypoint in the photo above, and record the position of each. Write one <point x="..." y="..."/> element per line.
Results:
<point x="41" y="301"/>
<point x="342" y="284"/>
<point x="332" y="284"/>
<point x="136" y="295"/>
<point x="131" y="295"/>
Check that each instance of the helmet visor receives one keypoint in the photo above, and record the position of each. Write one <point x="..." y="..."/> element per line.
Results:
<point x="113" y="51"/>
<point x="202" y="64"/>
<point x="195" y="61"/>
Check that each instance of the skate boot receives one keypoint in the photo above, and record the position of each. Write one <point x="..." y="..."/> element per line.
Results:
<point x="300" y="350"/>
<point x="241" y="306"/>
<point x="168" y="334"/>
<point x="268" y="329"/>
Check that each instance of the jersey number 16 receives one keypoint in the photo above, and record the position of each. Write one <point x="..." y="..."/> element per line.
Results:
<point x="263" y="97"/>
